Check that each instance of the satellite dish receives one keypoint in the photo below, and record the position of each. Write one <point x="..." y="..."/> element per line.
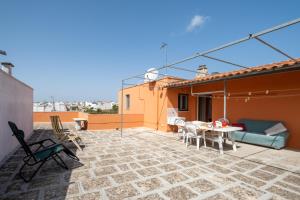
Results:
<point x="151" y="75"/>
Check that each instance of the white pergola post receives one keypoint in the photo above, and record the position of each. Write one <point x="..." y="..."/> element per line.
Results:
<point x="225" y="103"/>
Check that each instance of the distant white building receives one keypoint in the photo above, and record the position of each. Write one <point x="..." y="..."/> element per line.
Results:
<point x="72" y="106"/>
<point x="106" y="105"/>
<point x="48" y="107"/>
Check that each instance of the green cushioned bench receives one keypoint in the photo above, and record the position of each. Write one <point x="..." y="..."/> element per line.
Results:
<point x="254" y="134"/>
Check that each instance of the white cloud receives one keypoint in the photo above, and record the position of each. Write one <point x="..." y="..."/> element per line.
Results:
<point x="196" y="22"/>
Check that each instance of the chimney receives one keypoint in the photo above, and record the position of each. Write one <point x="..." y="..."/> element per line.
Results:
<point x="7" y="67"/>
<point x="201" y="71"/>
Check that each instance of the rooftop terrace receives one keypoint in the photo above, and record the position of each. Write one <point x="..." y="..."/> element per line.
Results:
<point x="145" y="164"/>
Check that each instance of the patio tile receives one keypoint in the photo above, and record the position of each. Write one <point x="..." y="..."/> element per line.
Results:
<point x="123" y="167"/>
<point x="283" y="193"/>
<point x="221" y="180"/>
<point x="219" y="169"/>
<point x="217" y="197"/>
<point x="44" y="181"/>
<point x="4" y="176"/>
<point x="15" y="186"/>
<point x="265" y="176"/>
<point x="246" y="165"/>
<point x="51" y="171"/>
<point x="273" y="170"/>
<point x="121" y="192"/>
<point x="241" y="193"/>
<point x="180" y="193"/>
<point x="127" y="159"/>
<point x="143" y="157"/>
<point x="60" y="192"/>
<point x="149" y="184"/>
<point x="107" y="156"/>
<point x="157" y="167"/>
<point x="125" y="177"/>
<point x="198" y="160"/>
<point x="150" y="171"/>
<point x="106" y="162"/>
<point x="169" y="167"/>
<point x="151" y="197"/>
<point x="202" y="185"/>
<point x="87" y="196"/>
<point x="29" y="195"/>
<point x="186" y="163"/>
<point x="134" y="166"/>
<point x="164" y="159"/>
<point x="148" y="163"/>
<point x="238" y="169"/>
<point x="126" y="153"/>
<point x="9" y="167"/>
<point x="97" y="183"/>
<point x="77" y="175"/>
<point x="288" y="186"/>
<point x="221" y="161"/>
<point x="175" y="177"/>
<point x="194" y="172"/>
<point x="105" y="171"/>
<point x="293" y="179"/>
<point x="248" y="180"/>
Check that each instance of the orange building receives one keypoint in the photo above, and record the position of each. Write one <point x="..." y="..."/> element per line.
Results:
<point x="268" y="92"/>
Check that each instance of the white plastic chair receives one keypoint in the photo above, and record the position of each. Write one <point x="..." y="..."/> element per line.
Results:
<point x="181" y="129"/>
<point x="192" y="133"/>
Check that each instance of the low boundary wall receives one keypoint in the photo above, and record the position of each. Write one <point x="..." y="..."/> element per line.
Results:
<point x="95" y="121"/>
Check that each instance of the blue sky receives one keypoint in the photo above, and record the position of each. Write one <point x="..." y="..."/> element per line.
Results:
<point x="77" y="50"/>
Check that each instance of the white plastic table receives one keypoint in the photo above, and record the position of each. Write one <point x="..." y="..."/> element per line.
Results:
<point x="78" y="124"/>
<point x="222" y="132"/>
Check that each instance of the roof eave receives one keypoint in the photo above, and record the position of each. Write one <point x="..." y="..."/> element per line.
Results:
<point x="294" y="67"/>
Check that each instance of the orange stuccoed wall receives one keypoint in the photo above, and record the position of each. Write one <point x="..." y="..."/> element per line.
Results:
<point x="285" y="108"/>
<point x="153" y="102"/>
<point x="95" y="121"/>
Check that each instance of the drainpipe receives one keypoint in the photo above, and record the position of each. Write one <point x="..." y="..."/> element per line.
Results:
<point x="122" y="94"/>
<point x="225" y="95"/>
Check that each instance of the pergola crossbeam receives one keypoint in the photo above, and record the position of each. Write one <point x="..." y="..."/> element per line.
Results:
<point x="224" y="61"/>
<point x="274" y="48"/>
<point x="204" y="54"/>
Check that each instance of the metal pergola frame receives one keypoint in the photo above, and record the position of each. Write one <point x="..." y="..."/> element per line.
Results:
<point x="204" y="54"/>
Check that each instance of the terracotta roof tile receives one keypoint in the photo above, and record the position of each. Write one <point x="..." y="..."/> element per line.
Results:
<point x="266" y="67"/>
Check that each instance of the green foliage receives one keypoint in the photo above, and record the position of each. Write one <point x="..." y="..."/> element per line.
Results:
<point x="114" y="110"/>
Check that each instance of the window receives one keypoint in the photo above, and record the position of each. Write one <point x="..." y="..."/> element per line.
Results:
<point x="127" y="101"/>
<point x="183" y="102"/>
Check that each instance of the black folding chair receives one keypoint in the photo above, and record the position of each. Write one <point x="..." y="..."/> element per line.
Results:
<point x="42" y="153"/>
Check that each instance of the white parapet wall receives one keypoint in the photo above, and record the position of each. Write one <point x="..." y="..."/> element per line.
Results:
<point x="15" y="105"/>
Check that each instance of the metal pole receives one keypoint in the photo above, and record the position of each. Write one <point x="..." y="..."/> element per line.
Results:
<point x="122" y="94"/>
<point x="274" y="48"/>
<point x="199" y="54"/>
<point x="224" y="61"/>
<point x="166" y="58"/>
<point x="225" y="96"/>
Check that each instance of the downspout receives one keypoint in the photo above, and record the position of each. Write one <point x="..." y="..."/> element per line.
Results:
<point x="122" y="94"/>
<point x="225" y="103"/>
<point x="157" y="106"/>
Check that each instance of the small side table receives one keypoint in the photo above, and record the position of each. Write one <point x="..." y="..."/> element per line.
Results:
<point x="80" y="123"/>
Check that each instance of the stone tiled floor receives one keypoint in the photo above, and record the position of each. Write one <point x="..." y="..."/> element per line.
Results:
<point x="148" y="165"/>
